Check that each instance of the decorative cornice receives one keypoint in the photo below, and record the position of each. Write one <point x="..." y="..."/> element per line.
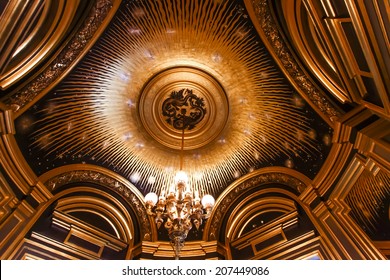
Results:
<point x="271" y="32"/>
<point x="90" y="176"/>
<point x="64" y="60"/>
<point x="192" y="249"/>
<point x="216" y="220"/>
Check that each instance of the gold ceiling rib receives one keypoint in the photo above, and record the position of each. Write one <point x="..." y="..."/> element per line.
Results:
<point x="269" y="31"/>
<point x="308" y="40"/>
<point x="97" y="108"/>
<point x="75" y="47"/>
<point x="24" y="44"/>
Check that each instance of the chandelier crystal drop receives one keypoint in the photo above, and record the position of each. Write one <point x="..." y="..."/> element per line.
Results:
<point x="181" y="207"/>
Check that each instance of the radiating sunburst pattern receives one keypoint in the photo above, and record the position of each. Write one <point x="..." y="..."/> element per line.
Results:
<point x="96" y="108"/>
<point x="368" y="199"/>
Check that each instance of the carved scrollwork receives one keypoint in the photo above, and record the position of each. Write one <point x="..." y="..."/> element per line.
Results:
<point x="272" y="33"/>
<point x="69" y="54"/>
<point x="183" y="109"/>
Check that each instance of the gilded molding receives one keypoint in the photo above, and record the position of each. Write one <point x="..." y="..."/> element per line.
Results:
<point x="8" y="200"/>
<point x="40" y="247"/>
<point x="270" y="29"/>
<point x="11" y="158"/>
<point x="192" y="249"/>
<point x="222" y="208"/>
<point x="96" y="177"/>
<point x="65" y="59"/>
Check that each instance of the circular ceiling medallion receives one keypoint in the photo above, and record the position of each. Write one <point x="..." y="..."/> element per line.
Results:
<point x="183" y="80"/>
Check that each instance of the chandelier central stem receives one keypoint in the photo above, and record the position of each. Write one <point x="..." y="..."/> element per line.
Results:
<point x="182" y="149"/>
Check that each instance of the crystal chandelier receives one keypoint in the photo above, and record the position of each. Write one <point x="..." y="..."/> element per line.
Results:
<point x="181" y="207"/>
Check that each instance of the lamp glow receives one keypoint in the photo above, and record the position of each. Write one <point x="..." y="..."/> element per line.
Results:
<point x="181" y="177"/>
<point x="151" y="198"/>
<point x="208" y="201"/>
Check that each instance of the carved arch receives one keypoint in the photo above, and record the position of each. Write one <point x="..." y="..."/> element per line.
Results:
<point x="274" y="192"/>
<point x="84" y="173"/>
<point x="92" y="214"/>
<point x="296" y="181"/>
<point x="117" y="219"/>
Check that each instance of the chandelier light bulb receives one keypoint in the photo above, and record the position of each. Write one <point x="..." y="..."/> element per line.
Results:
<point x="181" y="178"/>
<point x="151" y="198"/>
<point x="208" y="201"/>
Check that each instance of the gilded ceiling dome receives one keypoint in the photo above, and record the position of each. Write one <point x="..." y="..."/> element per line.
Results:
<point x="110" y="109"/>
<point x="275" y="113"/>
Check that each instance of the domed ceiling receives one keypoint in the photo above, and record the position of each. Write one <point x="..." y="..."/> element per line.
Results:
<point x="206" y="59"/>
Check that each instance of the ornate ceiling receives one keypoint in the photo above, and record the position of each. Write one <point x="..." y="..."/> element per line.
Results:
<point x="286" y="115"/>
<point x="108" y="109"/>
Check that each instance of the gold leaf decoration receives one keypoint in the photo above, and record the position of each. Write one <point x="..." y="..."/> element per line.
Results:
<point x="96" y="109"/>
